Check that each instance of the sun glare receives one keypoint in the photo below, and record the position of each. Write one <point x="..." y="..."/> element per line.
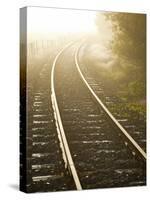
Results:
<point x="60" y="20"/>
<point x="47" y="22"/>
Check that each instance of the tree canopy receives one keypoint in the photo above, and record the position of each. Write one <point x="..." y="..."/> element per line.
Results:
<point x="130" y="36"/>
<point x="129" y="44"/>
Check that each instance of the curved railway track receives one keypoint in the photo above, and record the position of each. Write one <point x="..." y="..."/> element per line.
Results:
<point x="46" y="168"/>
<point x="97" y="150"/>
<point x="61" y="134"/>
<point x="132" y="121"/>
<point x="128" y="137"/>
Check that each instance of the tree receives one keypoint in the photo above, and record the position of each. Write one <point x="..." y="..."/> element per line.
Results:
<point x="129" y="44"/>
<point x="129" y="36"/>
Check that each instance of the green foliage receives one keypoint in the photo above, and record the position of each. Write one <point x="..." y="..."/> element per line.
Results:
<point x="134" y="107"/>
<point x="136" y="89"/>
<point x="129" y="45"/>
<point x="129" y="36"/>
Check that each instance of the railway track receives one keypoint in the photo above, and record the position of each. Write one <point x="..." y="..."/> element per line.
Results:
<point x="96" y="148"/>
<point x="74" y="142"/>
<point x="46" y="168"/>
<point x="132" y="121"/>
<point x="129" y="140"/>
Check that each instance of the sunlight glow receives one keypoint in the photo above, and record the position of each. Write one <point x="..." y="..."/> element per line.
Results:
<point x="60" y="20"/>
<point x="45" y="23"/>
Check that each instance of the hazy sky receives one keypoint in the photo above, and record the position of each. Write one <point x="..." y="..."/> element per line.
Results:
<point x="43" y="21"/>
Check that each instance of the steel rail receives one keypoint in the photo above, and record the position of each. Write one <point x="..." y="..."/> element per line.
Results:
<point x="126" y="134"/>
<point x="61" y="133"/>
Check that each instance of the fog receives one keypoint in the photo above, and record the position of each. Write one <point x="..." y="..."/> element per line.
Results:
<point x="48" y="23"/>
